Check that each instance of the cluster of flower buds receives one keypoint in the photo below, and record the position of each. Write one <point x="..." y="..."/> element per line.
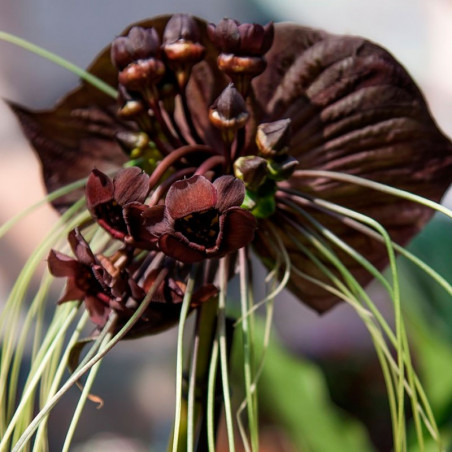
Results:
<point x="260" y="173"/>
<point x="242" y="48"/>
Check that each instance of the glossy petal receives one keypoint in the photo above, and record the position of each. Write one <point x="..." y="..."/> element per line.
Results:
<point x="190" y="195"/>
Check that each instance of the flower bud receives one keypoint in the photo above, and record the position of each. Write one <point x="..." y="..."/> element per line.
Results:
<point x="128" y="106"/>
<point x="181" y="46"/>
<point x="273" y="138"/>
<point x="140" y="43"/>
<point x="139" y="75"/>
<point x="252" y="170"/>
<point x="229" y="112"/>
<point x="229" y="36"/>
<point x="282" y="167"/>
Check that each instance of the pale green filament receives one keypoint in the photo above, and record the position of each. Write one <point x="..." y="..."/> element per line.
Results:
<point x="90" y="78"/>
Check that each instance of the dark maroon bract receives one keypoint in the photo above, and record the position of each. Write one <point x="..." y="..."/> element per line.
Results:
<point x="221" y="125"/>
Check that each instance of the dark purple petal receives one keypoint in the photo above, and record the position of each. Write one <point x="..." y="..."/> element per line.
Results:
<point x="190" y="195"/>
<point x="71" y="292"/>
<point x="99" y="190"/>
<point x="136" y="224"/>
<point x="70" y="141"/>
<point x="238" y="229"/>
<point x="131" y="185"/>
<point x="179" y="250"/>
<point x="81" y="248"/>
<point x="62" y="265"/>
<point x="155" y="221"/>
<point x="230" y="192"/>
<point x="98" y="310"/>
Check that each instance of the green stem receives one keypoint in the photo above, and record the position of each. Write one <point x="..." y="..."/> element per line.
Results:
<point x="180" y="416"/>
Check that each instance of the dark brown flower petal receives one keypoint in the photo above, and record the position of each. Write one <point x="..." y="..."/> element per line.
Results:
<point x="99" y="190"/>
<point x="80" y="248"/>
<point x="71" y="292"/>
<point x="98" y="311"/>
<point x="190" y="195"/>
<point x="62" y="265"/>
<point x="238" y="229"/>
<point x="355" y="110"/>
<point x="70" y="142"/>
<point x="131" y="185"/>
<point x="180" y="250"/>
<point x="230" y="192"/>
<point x="137" y="226"/>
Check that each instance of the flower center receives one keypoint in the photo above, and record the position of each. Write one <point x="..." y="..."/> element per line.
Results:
<point x="201" y="228"/>
<point x="112" y="211"/>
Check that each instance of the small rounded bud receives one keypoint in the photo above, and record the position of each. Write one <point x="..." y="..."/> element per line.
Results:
<point x="139" y="75"/>
<point x="181" y="46"/>
<point x="233" y="65"/>
<point x="229" y="111"/>
<point x="252" y="170"/>
<point x="229" y="36"/>
<point x="181" y="39"/>
<point x="140" y="43"/>
<point x="128" y="106"/>
<point x="273" y="138"/>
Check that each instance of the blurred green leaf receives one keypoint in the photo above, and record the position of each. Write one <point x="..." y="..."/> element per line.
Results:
<point x="293" y="395"/>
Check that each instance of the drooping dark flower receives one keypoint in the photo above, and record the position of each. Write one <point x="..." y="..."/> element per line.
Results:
<point x="352" y="109"/>
<point x="201" y="219"/>
<point x="87" y="279"/>
<point x="107" y="198"/>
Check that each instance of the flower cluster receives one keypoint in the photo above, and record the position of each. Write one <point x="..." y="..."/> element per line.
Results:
<point x="232" y="134"/>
